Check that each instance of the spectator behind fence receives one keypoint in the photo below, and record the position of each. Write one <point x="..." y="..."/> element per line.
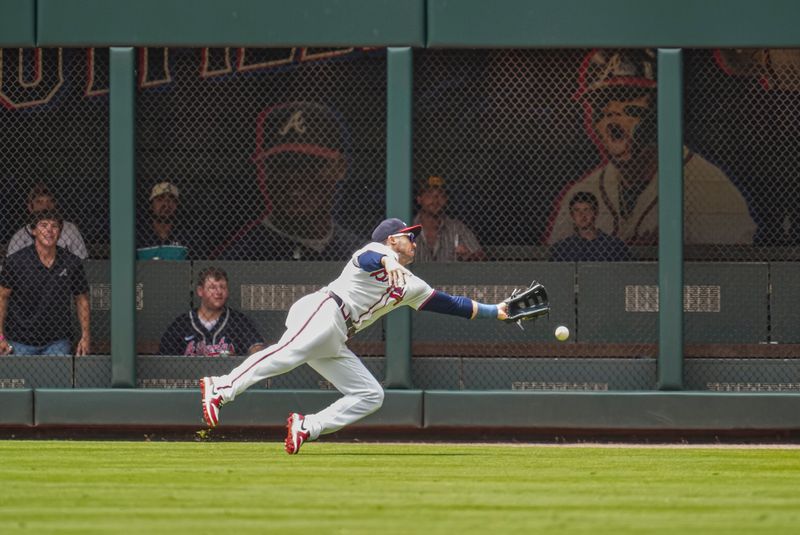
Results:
<point x="213" y="329"/>
<point x="588" y="243"/>
<point x="162" y="238"/>
<point x="443" y="239"/>
<point x="618" y="93"/>
<point x="300" y="160"/>
<point x="41" y="198"/>
<point x="37" y="285"/>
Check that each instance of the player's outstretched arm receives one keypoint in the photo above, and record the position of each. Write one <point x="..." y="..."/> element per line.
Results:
<point x="458" y="305"/>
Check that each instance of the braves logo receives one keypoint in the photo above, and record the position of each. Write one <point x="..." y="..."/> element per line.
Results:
<point x="201" y="348"/>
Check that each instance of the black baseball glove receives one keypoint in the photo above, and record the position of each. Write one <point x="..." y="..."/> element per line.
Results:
<point x="528" y="304"/>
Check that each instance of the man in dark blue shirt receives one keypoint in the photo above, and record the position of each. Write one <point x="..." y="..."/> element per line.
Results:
<point x="213" y="329"/>
<point x="588" y="244"/>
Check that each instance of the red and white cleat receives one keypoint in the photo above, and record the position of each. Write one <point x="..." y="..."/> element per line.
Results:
<point x="296" y="433"/>
<point x="211" y="400"/>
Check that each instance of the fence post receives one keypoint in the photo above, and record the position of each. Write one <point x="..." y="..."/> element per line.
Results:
<point x="399" y="89"/>
<point x="122" y="212"/>
<point x="670" y="219"/>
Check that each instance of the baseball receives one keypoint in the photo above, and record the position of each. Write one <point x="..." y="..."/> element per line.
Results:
<point x="562" y="333"/>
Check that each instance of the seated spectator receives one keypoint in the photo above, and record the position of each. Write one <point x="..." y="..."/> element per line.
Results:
<point x="213" y="329"/>
<point x="37" y="286"/>
<point x="443" y="238"/>
<point x="161" y="238"/>
<point x="588" y="243"/>
<point x="300" y="160"/>
<point x="40" y="198"/>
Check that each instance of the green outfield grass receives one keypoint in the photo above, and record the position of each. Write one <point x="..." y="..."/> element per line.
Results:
<point x="237" y="487"/>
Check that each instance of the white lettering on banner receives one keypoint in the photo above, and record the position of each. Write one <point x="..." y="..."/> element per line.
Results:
<point x="696" y="298"/>
<point x="273" y="296"/>
<point x="157" y="60"/>
<point x="20" y="91"/>
<point x="100" y="296"/>
<point x="94" y="87"/>
<point x="275" y="57"/>
<point x="215" y="62"/>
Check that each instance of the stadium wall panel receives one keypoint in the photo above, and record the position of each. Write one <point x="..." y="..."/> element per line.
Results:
<point x="234" y="22"/>
<point x="181" y="408"/>
<point x="612" y="411"/>
<point x="17" y="407"/>
<point x="18" y="23"/>
<point x="578" y="23"/>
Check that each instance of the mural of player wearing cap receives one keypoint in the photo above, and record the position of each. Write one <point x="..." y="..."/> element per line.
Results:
<point x="764" y="113"/>
<point x="617" y="89"/>
<point x="300" y="159"/>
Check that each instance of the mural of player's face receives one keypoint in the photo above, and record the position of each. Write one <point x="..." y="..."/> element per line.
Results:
<point x="213" y="293"/>
<point x="583" y="215"/>
<point x="302" y="186"/>
<point x="620" y="124"/>
<point x="432" y="200"/>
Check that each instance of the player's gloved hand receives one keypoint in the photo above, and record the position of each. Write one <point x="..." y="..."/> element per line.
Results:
<point x="395" y="271"/>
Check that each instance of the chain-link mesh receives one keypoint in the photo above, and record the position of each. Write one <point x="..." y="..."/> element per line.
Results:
<point x="742" y="178"/>
<point x="269" y="164"/>
<point x="266" y="164"/>
<point x="523" y="155"/>
<point x="54" y="169"/>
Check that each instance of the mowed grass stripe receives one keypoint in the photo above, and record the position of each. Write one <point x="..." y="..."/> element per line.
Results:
<point x="177" y="487"/>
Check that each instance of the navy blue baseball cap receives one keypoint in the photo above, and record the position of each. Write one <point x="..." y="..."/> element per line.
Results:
<point x="389" y="227"/>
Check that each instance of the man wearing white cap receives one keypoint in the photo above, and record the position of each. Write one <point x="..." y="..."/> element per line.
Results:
<point x="160" y="239"/>
<point x="373" y="282"/>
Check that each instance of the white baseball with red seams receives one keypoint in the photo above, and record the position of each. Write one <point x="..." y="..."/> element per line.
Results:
<point x="316" y="334"/>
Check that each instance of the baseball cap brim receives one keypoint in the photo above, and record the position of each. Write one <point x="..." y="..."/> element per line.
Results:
<point x="311" y="150"/>
<point x="414" y="229"/>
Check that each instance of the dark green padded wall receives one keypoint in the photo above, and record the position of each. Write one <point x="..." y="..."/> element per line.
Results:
<point x="625" y="23"/>
<point x="784" y="302"/>
<point x="742" y="316"/>
<point x="272" y="23"/>
<point x="163" y="294"/>
<point x="17" y="23"/>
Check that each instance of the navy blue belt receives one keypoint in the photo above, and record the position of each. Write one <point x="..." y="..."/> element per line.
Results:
<point x="348" y="321"/>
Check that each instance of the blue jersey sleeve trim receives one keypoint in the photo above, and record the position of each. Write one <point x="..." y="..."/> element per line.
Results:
<point x="448" y="304"/>
<point x="370" y="261"/>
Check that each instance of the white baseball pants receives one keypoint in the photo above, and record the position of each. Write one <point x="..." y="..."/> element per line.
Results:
<point x="315" y="335"/>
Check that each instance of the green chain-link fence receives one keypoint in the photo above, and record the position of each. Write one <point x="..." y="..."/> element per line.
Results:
<point x="270" y="164"/>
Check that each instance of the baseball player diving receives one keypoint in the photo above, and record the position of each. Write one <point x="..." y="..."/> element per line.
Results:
<point x="374" y="282"/>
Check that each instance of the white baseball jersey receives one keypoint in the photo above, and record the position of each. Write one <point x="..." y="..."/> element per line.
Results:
<point x="367" y="295"/>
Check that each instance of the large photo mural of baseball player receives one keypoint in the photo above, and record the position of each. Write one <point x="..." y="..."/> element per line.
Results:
<point x="617" y="90"/>
<point x="516" y="135"/>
